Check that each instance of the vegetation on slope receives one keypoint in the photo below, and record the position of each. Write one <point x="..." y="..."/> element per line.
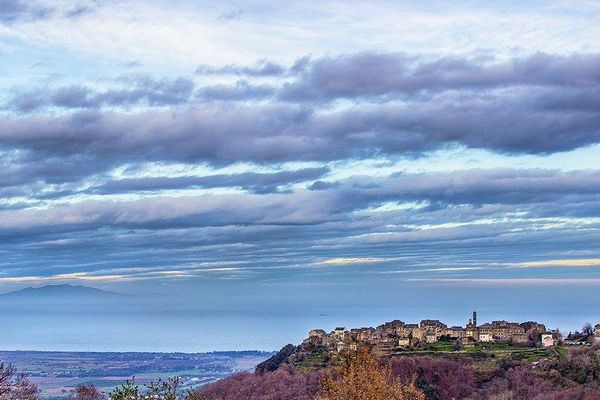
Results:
<point x="494" y="373"/>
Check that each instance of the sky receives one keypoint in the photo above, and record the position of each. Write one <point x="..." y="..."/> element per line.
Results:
<point x="264" y="166"/>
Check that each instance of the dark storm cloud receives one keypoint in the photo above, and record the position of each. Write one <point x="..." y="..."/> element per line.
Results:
<point x="250" y="181"/>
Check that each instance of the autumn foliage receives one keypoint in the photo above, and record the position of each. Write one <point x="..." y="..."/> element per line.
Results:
<point x="362" y="377"/>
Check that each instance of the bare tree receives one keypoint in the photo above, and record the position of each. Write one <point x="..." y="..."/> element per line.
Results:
<point x="16" y="386"/>
<point x="587" y="329"/>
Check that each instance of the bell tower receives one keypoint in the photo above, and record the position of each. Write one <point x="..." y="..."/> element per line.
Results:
<point x="475" y="318"/>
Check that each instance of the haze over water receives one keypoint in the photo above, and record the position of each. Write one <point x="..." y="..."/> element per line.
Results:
<point x="200" y="323"/>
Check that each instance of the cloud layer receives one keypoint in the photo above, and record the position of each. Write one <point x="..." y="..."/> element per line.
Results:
<point x="164" y="160"/>
<point x="401" y="105"/>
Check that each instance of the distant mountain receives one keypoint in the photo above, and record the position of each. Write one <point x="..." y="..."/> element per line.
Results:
<point x="59" y="293"/>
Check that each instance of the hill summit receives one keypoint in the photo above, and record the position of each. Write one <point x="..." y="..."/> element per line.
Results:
<point x="63" y="292"/>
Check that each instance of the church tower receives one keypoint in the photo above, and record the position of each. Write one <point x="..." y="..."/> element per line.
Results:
<point x="475" y="318"/>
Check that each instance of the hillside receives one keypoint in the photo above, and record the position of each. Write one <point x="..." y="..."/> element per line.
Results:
<point x="53" y="296"/>
<point x="58" y="292"/>
<point x="443" y="367"/>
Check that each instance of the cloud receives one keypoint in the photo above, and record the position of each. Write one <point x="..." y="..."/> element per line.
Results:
<point x="18" y="10"/>
<point x="253" y="182"/>
<point x="263" y="68"/>
<point x="340" y="261"/>
<point x="120" y="275"/>
<point x="141" y="90"/>
<point x="278" y="133"/>
<point x="443" y="269"/>
<point x="585" y="262"/>
<point x="514" y="281"/>
<point x="378" y="74"/>
<point x="231" y="15"/>
<point x="529" y="190"/>
<point x="540" y="104"/>
<point x="171" y="212"/>
<point x="81" y="10"/>
<point x="240" y="92"/>
<point x="63" y="146"/>
<point x="474" y="186"/>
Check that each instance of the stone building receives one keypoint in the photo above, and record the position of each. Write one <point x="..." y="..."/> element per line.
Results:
<point x="456" y="332"/>
<point x="340" y="332"/>
<point x="433" y="326"/>
<point x="431" y="337"/>
<point x="520" y="338"/>
<point x="532" y="326"/>
<point x="388" y="337"/>
<point x="362" y="334"/>
<point x="501" y="330"/>
<point x="471" y="329"/>
<point x="413" y="331"/>
<point x="395" y="327"/>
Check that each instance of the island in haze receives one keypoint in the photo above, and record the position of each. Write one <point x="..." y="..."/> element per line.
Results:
<point x="57" y="293"/>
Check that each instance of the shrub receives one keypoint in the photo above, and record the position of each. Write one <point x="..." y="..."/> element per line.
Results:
<point x="86" y="392"/>
<point x="287" y="383"/>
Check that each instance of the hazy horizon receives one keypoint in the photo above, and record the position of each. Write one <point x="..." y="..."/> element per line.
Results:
<point x="188" y="323"/>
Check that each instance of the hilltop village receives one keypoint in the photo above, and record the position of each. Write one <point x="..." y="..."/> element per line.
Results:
<point x="390" y="336"/>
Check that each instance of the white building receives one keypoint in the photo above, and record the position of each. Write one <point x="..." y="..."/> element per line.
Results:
<point x="547" y="340"/>
<point x="486" y="337"/>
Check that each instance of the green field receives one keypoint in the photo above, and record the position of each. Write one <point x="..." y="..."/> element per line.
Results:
<point x="497" y="351"/>
<point x="58" y="373"/>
